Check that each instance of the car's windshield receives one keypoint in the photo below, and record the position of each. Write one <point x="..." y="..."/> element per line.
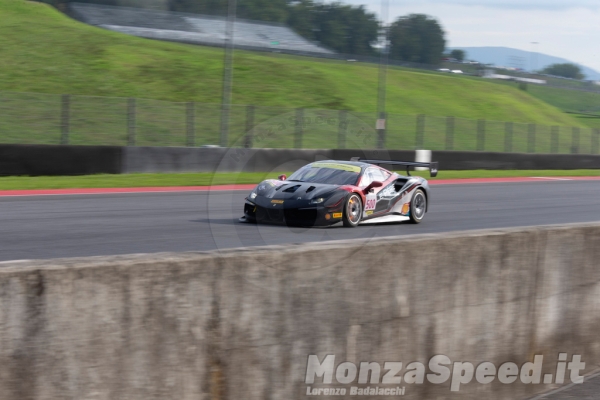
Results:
<point x="331" y="173"/>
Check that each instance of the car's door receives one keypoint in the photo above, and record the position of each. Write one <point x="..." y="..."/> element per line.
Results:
<point x="374" y="202"/>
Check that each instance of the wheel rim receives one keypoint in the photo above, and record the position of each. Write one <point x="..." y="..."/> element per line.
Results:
<point x="419" y="205"/>
<point x="353" y="209"/>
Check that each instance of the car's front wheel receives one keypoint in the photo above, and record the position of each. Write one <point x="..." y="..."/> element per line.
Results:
<point x="352" y="210"/>
<point x="418" y="205"/>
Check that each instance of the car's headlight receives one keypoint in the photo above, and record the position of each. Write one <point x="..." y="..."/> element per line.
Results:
<point x="317" y="200"/>
<point x="252" y="195"/>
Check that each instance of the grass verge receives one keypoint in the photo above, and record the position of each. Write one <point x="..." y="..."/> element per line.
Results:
<point x="205" y="179"/>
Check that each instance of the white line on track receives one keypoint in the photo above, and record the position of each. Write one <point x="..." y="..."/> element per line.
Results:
<point x="551" y="179"/>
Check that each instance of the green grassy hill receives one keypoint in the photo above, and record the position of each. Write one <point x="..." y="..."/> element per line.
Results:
<point x="45" y="51"/>
<point x="585" y="106"/>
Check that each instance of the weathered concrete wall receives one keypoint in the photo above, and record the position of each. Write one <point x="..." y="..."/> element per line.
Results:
<point x="79" y="160"/>
<point x="468" y="160"/>
<point x="190" y="159"/>
<point x="16" y="159"/>
<point x="240" y="324"/>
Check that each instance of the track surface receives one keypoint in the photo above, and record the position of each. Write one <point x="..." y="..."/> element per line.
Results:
<point x="70" y="226"/>
<point x="85" y="225"/>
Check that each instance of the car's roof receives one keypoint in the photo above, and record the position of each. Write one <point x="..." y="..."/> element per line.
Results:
<point x="355" y="163"/>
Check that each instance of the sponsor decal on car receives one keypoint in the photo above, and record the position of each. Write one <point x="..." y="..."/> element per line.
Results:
<point x="277" y="201"/>
<point x="405" y="209"/>
<point x="343" y="167"/>
<point x="337" y="215"/>
<point x="369" y="212"/>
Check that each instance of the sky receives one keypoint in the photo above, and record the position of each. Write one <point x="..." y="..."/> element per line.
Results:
<point x="569" y="28"/>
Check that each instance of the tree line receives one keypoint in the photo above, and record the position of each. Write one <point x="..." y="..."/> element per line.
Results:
<point x="340" y="27"/>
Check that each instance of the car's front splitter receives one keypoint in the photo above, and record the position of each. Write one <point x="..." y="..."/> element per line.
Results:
<point x="301" y="216"/>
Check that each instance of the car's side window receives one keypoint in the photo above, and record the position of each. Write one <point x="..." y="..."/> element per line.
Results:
<point x="367" y="177"/>
<point x="383" y="174"/>
<point x="370" y="175"/>
<point x="374" y="174"/>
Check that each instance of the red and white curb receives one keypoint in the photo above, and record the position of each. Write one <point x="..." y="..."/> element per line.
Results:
<point x="223" y="188"/>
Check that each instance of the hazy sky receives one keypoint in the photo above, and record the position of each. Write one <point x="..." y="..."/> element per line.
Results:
<point x="568" y="28"/>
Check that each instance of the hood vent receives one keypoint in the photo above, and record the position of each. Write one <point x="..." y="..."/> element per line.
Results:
<point x="310" y="189"/>
<point x="292" y="189"/>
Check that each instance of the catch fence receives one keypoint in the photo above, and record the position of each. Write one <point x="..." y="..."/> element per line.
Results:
<point x="31" y="118"/>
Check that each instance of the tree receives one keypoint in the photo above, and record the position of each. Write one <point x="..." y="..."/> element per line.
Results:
<point x="417" y="38"/>
<point x="343" y="28"/>
<point x="565" y="70"/>
<point x="458" y="54"/>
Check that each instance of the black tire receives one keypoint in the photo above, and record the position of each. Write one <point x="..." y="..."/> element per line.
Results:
<point x="353" y="209"/>
<point x="418" y="206"/>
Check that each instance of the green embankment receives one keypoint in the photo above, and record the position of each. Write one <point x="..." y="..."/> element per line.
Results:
<point x="585" y="106"/>
<point x="46" y="53"/>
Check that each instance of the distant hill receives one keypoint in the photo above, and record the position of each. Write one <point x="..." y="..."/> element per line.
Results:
<point x="507" y="57"/>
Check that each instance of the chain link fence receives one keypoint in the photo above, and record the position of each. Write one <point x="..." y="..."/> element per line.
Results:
<point x="29" y="118"/>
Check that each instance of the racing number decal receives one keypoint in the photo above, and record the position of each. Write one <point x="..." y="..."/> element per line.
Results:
<point x="370" y="203"/>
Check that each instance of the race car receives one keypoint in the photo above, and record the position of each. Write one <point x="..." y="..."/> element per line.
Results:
<point x="351" y="192"/>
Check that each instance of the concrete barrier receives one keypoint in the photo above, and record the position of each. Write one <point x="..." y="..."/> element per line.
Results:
<point x="59" y="160"/>
<point x="186" y="159"/>
<point x="173" y="159"/>
<point x="80" y="160"/>
<point x="469" y="160"/>
<point x="241" y="324"/>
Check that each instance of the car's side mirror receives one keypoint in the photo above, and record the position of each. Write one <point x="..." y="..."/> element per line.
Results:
<point x="372" y="185"/>
<point x="282" y="177"/>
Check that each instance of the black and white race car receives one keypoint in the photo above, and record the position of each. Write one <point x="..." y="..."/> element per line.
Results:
<point x="351" y="192"/>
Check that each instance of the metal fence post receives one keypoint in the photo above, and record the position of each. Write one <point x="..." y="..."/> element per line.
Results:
<point x="65" y="119"/>
<point x="531" y="138"/>
<point x="480" y="135"/>
<point x="575" y="141"/>
<point x="190" y="124"/>
<point x="595" y="141"/>
<point x="508" y="137"/>
<point x="249" y="137"/>
<point x="299" y="125"/>
<point x="381" y="127"/>
<point x="449" y="133"/>
<point x="342" y="128"/>
<point x="131" y="122"/>
<point x="420" y="139"/>
<point x="554" y="140"/>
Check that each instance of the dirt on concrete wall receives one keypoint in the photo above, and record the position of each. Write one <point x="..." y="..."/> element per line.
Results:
<point x="242" y="324"/>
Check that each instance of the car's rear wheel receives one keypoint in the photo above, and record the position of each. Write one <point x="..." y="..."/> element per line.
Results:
<point x="352" y="210"/>
<point x="418" y="205"/>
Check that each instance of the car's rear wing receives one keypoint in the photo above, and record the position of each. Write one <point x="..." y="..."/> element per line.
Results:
<point x="432" y="166"/>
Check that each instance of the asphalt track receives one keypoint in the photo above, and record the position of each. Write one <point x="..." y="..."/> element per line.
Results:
<point x="35" y="227"/>
<point x="71" y="225"/>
